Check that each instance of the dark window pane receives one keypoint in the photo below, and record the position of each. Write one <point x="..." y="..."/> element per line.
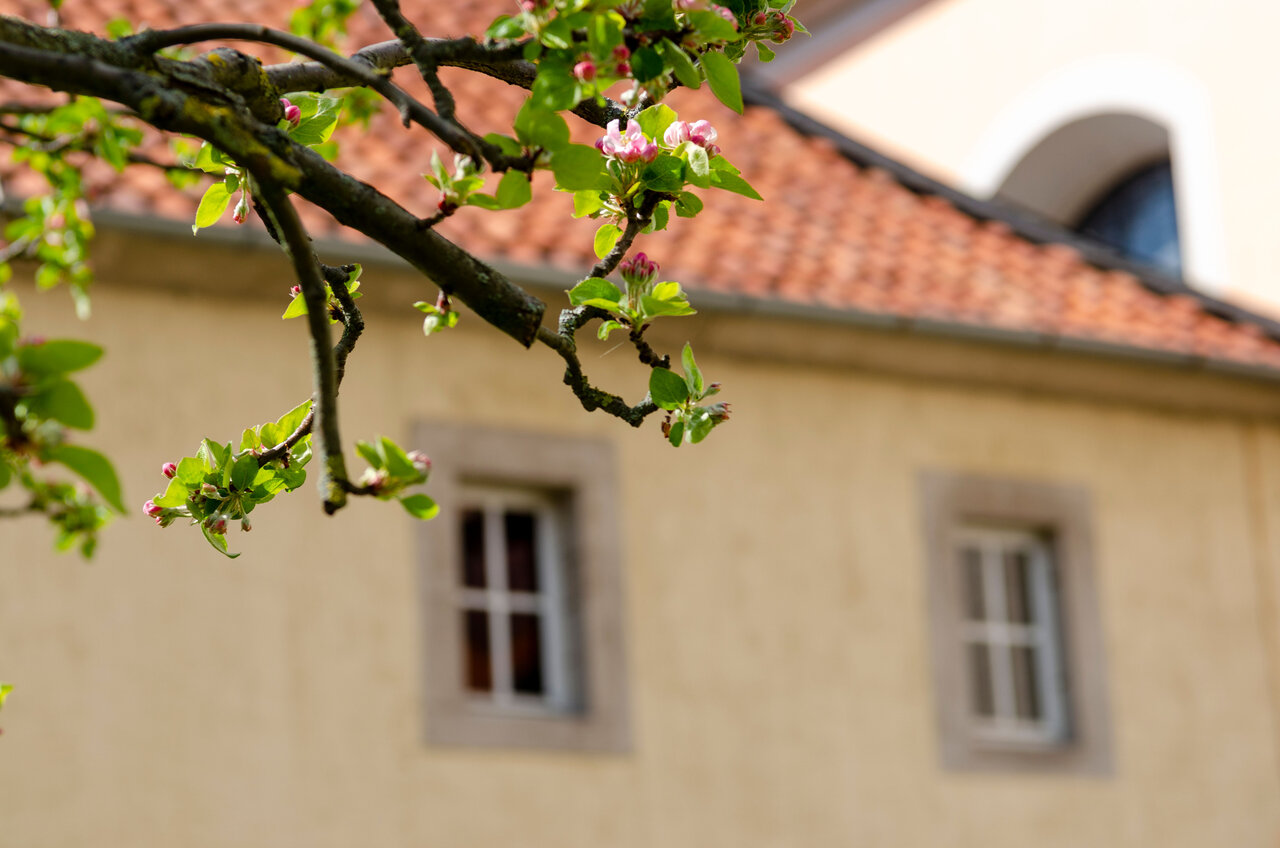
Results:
<point x="526" y="653"/>
<point x="522" y="565"/>
<point x="1139" y="219"/>
<point x="971" y="572"/>
<point x="980" y="677"/>
<point x="1017" y="586"/>
<point x="475" y="648"/>
<point x="473" y="549"/>
<point x="1026" y="695"/>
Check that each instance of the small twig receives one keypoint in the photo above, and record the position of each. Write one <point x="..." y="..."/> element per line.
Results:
<point x="606" y="266"/>
<point x="647" y="354"/>
<point x="297" y="246"/>
<point x="410" y="109"/>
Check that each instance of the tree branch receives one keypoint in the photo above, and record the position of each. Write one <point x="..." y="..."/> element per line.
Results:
<point x="297" y="245"/>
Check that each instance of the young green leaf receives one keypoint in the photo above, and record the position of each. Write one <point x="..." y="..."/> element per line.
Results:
<point x="218" y="541"/>
<point x="655" y="120"/>
<point x="595" y="291"/>
<point x="57" y="356"/>
<point x="420" y="506"/>
<point x="514" y="190"/>
<point x="370" y="454"/>
<point x="62" y="401"/>
<point x="606" y="237"/>
<point x="578" y="167"/>
<point x="94" y="468"/>
<point x="212" y="205"/>
<point x="666" y="389"/>
<point x="722" y="76"/>
<point x="586" y="202"/>
<point x="681" y="65"/>
<point x="692" y="373"/>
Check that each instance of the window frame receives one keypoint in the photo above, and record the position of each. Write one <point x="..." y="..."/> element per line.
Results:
<point x="579" y="477"/>
<point x="956" y="505"/>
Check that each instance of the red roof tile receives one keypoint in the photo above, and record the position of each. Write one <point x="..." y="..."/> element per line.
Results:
<point x="833" y="233"/>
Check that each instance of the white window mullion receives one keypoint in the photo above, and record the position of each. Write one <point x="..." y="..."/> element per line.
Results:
<point x="998" y="645"/>
<point x="495" y="566"/>
<point x="1050" y="684"/>
<point x="555" y="638"/>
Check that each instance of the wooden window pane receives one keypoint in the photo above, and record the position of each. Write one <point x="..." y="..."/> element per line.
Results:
<point x="980" y="671"/>
<point x="526" y="653"/>
<point x="476" y="650"/>
<point x="1025" y="691"/>
<point x="1017" y="585"/>
<point x="971" y="573"/>
<point x="473" y="549"/>
<point x="522" y="565"/>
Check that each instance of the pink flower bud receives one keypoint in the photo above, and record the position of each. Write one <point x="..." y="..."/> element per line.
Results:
<point x="639" y="270"/>
<point x="216" y="524"/>
<point x="420" y="461"/>
<point x="719" y="412"/>
<point x="209" y="490"/>
<point x="727" y="14"/>
<point x="784" y="28"/>
<point x="169" y="469"/>
<point x="585" y="70"/>
<point x="245" y="526"/>
<point x="151" y="509"/>
<point x="294" y="291"/>
<point x="760" y="19"/>
<point x="624" y="69"/>
<point x="621" y="53"/>
<point x="292" y="113"/>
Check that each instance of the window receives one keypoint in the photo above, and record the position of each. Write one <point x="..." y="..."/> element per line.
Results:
<point x="1010" y="635"/>
<point x="1138" y="218"/>
<point x="523" y="593"/>
<point x="1018" y="666"/>
<point x="514" y="605"/>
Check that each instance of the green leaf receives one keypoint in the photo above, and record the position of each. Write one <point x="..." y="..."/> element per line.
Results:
<point x="734" y="183"/>
<point x="398" y="464"/>
<point x="688" y="204"/>
<point x="606" y="328"/>
<point x="62" y="401"/>
<point x="420" y="506"/>
<point x="712" y="27"/>
<point x="514" y="189"/>
<point x="5" y="473"/>
<point x="578" y="167"/>
<point x="699" y="166"/>
<point x="218" y="540"/>
<point x="606" y="237"/>
<point x="175" y="494"/>
<point x="316" y="127"/>
<point x="666" y="174"/>
<point x="94" y="468"/>
<point x="370" y="454"/>
<point x="700" y="426"/>
<point x="722" y="76"/>
<point x="676" y="436"/>
<point x="484" y="201"/>
<point x="212" y="454"/>
<point x="243" y="472"/>
<point x="681" y="65"/>
<point x="539" y="127"/>
<point x="595" y="291"/>
<point x="586" y="202"/>
<point x="212" y="205"/>
<point x="57" y="356"/>
<point x="692" y="373"/>
<point x="211" y="160"/>
<point x="190" y="471"/>
<point x="658" y="15"/>
<point x="655" y="120"/>
<point x="666" y="389"/>
<point x="646" y="64"/>
<point x="292" y="419"/>
<point x="296" y="308"/>
<point x="654" y="308"/>
<point x="5" y="689"/>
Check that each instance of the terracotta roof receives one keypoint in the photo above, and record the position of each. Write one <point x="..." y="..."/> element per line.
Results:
<point x="842" y="227"/>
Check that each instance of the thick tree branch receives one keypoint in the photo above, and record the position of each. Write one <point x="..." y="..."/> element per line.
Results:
<point x="170" y="106"/>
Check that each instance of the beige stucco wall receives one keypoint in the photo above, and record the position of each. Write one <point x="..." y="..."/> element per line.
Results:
<point x="775" y="606"/>
<point x="959" y="86"/>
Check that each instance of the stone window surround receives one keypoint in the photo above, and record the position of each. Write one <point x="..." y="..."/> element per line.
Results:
<point x="951" y="500"/>
<point x="583" y="472"/>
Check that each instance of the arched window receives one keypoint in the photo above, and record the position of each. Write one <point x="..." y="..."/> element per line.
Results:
<point x="1138" y="217"/>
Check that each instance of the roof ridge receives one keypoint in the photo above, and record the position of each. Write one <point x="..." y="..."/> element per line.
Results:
<point x="1021" y="222"/>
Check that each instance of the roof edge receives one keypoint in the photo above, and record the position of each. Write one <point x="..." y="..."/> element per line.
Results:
<point x="1024" y="224"/>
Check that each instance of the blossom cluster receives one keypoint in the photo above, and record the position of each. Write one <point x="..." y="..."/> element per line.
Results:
<point x="627" y="146"/>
